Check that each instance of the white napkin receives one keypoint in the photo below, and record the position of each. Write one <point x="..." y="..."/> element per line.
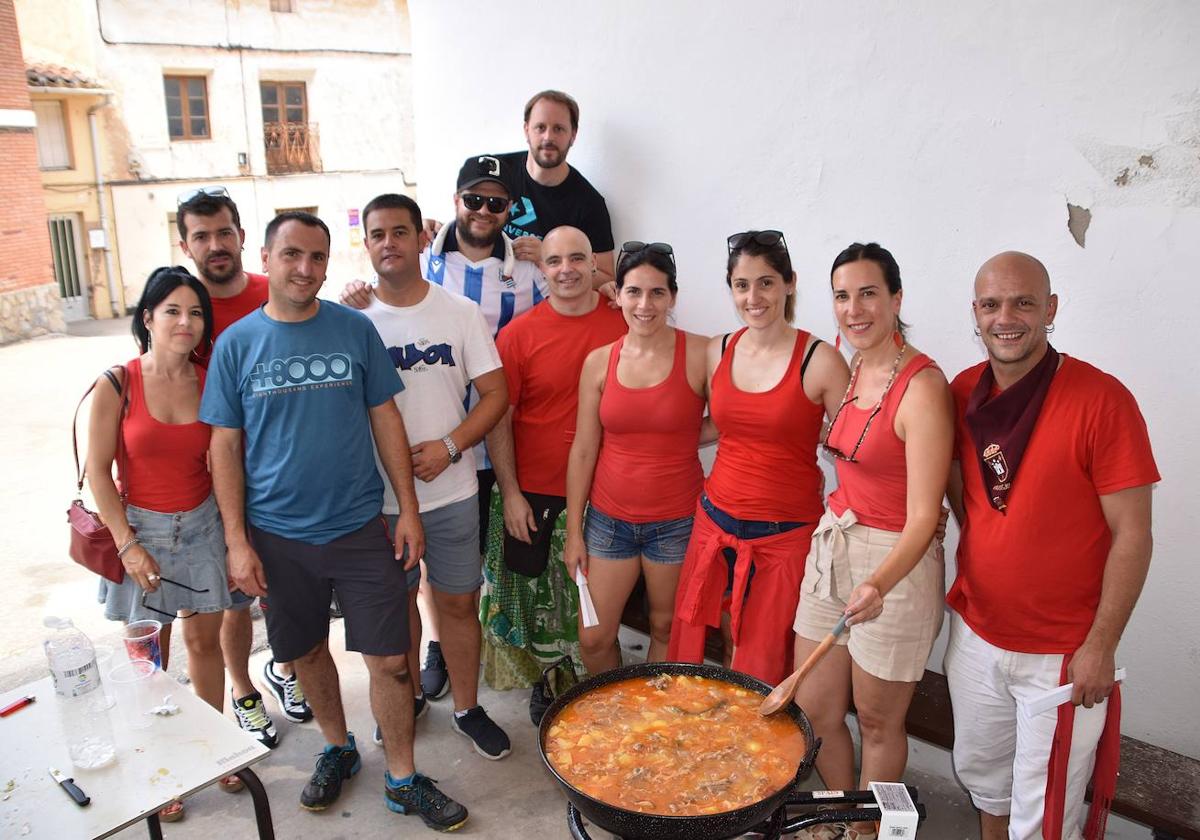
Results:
<point x="1055" y="697"/>
<point x="587" y="610"/>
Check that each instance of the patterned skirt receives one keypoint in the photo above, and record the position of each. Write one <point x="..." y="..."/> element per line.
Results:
<point x="528" y="623"/>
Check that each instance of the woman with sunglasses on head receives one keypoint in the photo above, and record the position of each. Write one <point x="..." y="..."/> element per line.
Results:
<point x="634" y="462"/>
<point x="874" y="558"/>
<point x="770" y="388"/>
<point x="167" y="528"/>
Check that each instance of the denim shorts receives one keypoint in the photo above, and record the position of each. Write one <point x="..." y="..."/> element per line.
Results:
<point x="608" y="538"/>
<point x="189" y="548"/>
<point x="451" y="548"/>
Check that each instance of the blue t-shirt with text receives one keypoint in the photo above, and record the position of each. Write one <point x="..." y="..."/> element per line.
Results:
<point x="301" y="392"/>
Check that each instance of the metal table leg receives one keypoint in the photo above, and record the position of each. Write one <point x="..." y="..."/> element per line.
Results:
<point x="154" y="827"/>
<point x="262" y="807"/>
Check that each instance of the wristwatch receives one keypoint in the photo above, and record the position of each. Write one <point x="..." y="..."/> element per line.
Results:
<point x="455" y="455"/>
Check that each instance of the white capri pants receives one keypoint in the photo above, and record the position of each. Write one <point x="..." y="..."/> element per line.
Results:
<point x="1000" y="755"/>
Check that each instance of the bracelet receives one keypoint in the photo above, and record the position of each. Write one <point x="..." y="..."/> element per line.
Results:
<point x="128" y="545"/>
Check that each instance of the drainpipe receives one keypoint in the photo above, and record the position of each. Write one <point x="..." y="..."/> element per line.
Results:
<point x="113" y="300"/>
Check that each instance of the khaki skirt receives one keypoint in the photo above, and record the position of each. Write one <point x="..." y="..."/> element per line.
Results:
<point x="844" y="553"/>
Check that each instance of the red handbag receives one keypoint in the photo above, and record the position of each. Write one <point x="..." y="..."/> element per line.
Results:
<point x="92" y="544"/>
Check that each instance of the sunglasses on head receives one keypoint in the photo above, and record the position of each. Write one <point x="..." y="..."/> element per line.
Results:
<point x="495" y="204"/>
<point x="634" y="247"/>
<point x="191" y="195"/>
<point x="146" y="593"/>
<point x="766" y="238"/>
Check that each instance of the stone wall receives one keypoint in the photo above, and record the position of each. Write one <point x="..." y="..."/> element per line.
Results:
<point x="30" y="312"/>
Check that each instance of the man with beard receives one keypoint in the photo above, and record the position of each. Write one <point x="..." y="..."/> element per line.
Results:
<point x="211" y="235"/>
<point x="547" y="192"/>
<point x="471" y="257"/>
<point x="1052" y="488"/>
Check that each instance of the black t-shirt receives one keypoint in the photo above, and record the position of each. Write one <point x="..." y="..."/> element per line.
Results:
<point x="538" y="209"/>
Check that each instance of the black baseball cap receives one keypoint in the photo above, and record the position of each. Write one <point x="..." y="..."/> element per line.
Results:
<point x="476" y="170"/>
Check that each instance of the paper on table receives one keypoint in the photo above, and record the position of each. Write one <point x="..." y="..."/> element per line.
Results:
<point x="587" y="610"/>
<point x="1055" y="697"/>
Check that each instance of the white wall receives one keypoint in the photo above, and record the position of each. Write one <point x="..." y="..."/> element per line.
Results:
<point x="947" y="132"/>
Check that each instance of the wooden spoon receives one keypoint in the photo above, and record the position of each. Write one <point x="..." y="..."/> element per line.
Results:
<point x="786" y="690"/>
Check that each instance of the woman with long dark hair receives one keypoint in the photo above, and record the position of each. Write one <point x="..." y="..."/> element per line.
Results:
<point x="874" y="558"/>
<point x="168" y="531"/>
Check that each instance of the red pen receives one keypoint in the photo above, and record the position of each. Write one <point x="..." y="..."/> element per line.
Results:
<point x="17" y="705"/>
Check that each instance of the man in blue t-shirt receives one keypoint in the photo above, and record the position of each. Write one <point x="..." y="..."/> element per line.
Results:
<point x="308" y="384"/>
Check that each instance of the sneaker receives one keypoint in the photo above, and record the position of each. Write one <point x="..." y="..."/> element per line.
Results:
<point x="288" y="692"/>
<point x="538" y="703"/>
<point x="421" y="797"/>
<point x="333" y="765"/>
<point x="420" y="707"/>
<point x="490" y="740"/>
<point x="435" y="680"/>
<point x="252" y="716"/>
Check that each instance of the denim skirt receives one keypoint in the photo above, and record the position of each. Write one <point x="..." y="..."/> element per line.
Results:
<point x="189" y="548"/>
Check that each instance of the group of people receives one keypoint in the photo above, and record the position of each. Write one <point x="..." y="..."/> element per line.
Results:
<point x="517" y="412"/>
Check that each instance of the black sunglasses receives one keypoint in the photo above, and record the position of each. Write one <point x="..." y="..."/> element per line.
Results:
<point x="495" y="204"/>
<point x="146" y="594"/>
<point x="766" y="238"/>
<point x="191" y="195"/>
<point x="634" y="247"/>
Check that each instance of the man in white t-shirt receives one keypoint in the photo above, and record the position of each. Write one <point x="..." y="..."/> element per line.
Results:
<point x="441" y="346"/>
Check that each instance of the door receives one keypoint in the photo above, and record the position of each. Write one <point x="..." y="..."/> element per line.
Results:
<point x="67" y="249"/>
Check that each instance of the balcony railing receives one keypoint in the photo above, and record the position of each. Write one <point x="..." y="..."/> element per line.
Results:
<point x="292" y="147"/>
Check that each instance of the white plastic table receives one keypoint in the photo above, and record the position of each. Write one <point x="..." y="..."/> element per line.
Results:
<point x="173" y="757"/>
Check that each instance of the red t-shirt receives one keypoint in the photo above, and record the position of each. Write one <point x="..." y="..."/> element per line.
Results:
<point x="543" y="352"/>
<point x="230" y="309"/>
<point x="167" y="462"/>
<point x="1029" y="580"/>
<point x="766" y="467"/>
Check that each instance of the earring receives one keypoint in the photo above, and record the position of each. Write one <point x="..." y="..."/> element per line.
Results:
<point x="1049" y="329"/>
<point x="896" y="337"/>
<point x="837" y="342"/>
<point x="977" y="332"/>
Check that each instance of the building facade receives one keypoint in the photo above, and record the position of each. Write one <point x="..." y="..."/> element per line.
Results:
<point x="288" y="104"/>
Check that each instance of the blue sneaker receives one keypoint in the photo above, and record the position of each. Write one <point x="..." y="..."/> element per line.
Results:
<point x="334" y="764"/>
<point x="421" y="797"/>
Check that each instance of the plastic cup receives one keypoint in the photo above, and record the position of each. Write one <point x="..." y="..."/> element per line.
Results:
<point x="142" y="641"/>
<point x="131" y="682"/>
<point x="105" y="662"/>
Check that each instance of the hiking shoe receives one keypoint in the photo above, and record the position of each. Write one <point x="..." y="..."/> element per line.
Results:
<point x="288" y="692"/>
<point x="490" y="740"/>
<point x="421" y="797"/>
<point x="538" y="703"/>
<point x="333" y="765"/>
<point x="252" y="716"/>
<point x="435" y="680"/>
<point x="420" y="707"/>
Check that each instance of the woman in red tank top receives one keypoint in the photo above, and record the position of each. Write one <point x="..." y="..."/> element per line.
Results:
<point x="167" y="527"/>
<point x="770" y="387"/>
<point x="891" y="442"/>
<point x="634" y="460"/>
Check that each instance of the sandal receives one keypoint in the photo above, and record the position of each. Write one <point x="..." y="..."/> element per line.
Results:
<point x="231" y="784"/>
<point x="171" y="812"/>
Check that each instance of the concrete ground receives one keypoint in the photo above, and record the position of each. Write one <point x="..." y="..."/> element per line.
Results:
<point x="41" y="381"/>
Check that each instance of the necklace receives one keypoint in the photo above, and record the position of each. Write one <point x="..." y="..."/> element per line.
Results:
<point x="847" y="399"/>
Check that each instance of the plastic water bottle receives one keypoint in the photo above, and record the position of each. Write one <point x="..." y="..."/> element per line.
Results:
<point x="81" y="700"/>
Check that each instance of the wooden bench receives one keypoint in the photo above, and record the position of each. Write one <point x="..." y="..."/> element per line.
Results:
<point x="1156" y="787"/>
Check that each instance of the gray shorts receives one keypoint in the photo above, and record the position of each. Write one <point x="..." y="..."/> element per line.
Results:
<point x="451" y="547"/>
<point x="189" y="548"/>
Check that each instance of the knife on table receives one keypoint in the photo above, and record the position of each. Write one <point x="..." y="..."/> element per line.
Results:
<point x="73" y="790"/>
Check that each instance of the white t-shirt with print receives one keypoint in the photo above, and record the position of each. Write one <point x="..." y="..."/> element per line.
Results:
<point x="438" y="346"/>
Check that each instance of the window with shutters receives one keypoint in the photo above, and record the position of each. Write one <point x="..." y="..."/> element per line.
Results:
<point x="54" y="152"/>
<point x="187" y="107"/>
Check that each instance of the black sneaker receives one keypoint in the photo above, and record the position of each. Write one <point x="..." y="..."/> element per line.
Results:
<point x="333" y="765"/>
<point x="421" y="797"/>
<point x="288" y="692"/>
<point x="435" y="680"/>
<point x="252" y="716"/>
<point x="490" y="740"/>
<point x="420" y="707"/>
<point x="538" y="703"/>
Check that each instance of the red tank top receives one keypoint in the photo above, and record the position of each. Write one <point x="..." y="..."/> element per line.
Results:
<point x="167" y="463"/>
<point x="875" y="487"/>
<point x="766" y="467"/>
<point x="649" y="469"/>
